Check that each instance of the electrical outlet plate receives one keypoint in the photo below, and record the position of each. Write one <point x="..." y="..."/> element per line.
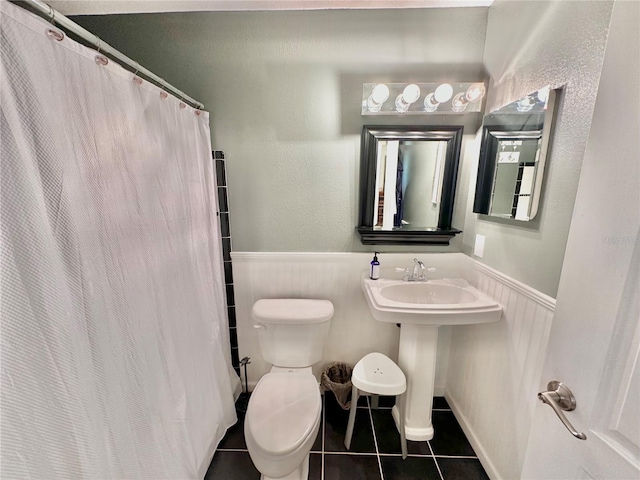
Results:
<point x="478" y="249"/>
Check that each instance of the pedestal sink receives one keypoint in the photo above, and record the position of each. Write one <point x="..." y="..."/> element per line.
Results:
<point x="420" y="308"/>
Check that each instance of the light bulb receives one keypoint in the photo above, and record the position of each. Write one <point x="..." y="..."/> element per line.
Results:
<point x="411" y="93"/>
<point x="459" y="103"/>
<point x="378" y="96"/>
<point x="380" y="93"/>
<point x="443" y="93"/>
<point x="475" y="92"/>
<point x="543" y="94"/>
<point x="525" y="104"/>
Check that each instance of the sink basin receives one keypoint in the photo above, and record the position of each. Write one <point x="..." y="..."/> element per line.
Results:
<point x="428" y="293"/>
<point x="448" y="301"/>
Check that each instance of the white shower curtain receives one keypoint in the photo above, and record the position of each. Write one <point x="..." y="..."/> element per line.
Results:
<point x="114" y="341"/>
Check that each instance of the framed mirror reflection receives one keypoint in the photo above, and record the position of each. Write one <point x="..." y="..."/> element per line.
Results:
<point x="513" y="153"/>
<point x="407" y="184"/>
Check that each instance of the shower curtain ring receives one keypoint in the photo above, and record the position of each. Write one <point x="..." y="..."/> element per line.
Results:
<point x="136" y="79"/>
<point x="52" y="13"/>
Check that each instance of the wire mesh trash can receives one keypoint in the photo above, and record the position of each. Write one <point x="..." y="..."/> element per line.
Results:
<point x="337" y="378"/>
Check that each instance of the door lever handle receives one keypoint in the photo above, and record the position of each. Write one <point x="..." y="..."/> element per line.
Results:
<point x="559" y="397"/>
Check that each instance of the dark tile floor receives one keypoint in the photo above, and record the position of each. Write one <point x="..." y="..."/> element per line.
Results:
<point x="375" y="448"/>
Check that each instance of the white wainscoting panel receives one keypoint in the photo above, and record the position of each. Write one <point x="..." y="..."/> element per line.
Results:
<point x="494" y="371"/>
<point x="335" y="277"/>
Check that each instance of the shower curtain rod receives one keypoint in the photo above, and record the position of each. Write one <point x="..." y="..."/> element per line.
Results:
<point x="54" y="16"/>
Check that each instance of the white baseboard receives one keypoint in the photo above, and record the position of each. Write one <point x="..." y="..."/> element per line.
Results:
<point x="486" y="462"/>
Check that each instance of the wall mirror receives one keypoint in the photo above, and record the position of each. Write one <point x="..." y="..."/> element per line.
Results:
<point x="515" y="143"/>
<point x="407" y="184"/>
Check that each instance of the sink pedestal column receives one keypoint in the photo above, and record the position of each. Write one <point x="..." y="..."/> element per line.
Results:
<point x="417" y="359"/>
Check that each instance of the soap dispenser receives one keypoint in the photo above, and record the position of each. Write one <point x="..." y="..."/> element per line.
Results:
<point x="375" y="267"/>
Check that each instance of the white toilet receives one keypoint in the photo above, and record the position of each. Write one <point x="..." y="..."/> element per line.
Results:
<point x="283" y="416"/>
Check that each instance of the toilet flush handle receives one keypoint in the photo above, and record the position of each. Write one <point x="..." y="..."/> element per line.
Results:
<point x="258" y="325"/>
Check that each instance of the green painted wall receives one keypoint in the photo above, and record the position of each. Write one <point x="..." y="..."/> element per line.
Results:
<point x="529" y="45"/>
<point x="284" y="92"/>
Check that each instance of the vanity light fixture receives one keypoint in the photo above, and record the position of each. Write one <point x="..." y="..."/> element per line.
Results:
<point x="404" y="99"/>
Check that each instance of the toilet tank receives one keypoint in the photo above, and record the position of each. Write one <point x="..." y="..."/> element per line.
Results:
<point x="292" y="331"/>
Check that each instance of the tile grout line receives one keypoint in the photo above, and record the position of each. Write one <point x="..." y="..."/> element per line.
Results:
<point x="435" y="460"/>
<point x="324" y="427"/>
<point x="375" y="439"/>
<point x="426" y="455"/>
<point x="369" y="454"/>
<point x="457" y="457"/>
<point x="354" y="454"/>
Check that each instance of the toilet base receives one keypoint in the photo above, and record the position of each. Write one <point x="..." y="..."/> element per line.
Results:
<point x="300" y="473"/>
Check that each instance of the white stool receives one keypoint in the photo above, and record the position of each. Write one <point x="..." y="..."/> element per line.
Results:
<point x="377" y="374"/>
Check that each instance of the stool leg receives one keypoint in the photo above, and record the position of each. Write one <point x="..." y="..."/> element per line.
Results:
<point x="352" y="416"/>
<point x="374" y="401"/>
<point x="400" y="400"/>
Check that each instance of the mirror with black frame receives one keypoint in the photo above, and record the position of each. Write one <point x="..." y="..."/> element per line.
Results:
<point x="407" y="184"/>
<point x="515" y="144"/>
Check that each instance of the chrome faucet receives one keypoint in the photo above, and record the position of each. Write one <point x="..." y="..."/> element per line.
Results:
<point x="418" y="274"/>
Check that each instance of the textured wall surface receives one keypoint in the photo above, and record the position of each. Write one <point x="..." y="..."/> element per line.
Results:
<point x="530" y="45"/>
<point x="284" y="92"/>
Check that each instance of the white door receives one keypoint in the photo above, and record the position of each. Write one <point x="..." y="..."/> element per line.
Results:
<point x="594" y="345"/>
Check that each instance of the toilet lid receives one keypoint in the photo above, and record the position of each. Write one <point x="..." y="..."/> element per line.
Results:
<point x="282" y="411"/>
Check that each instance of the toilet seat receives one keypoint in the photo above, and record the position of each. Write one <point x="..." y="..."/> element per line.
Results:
<point x="283" y="412"/>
